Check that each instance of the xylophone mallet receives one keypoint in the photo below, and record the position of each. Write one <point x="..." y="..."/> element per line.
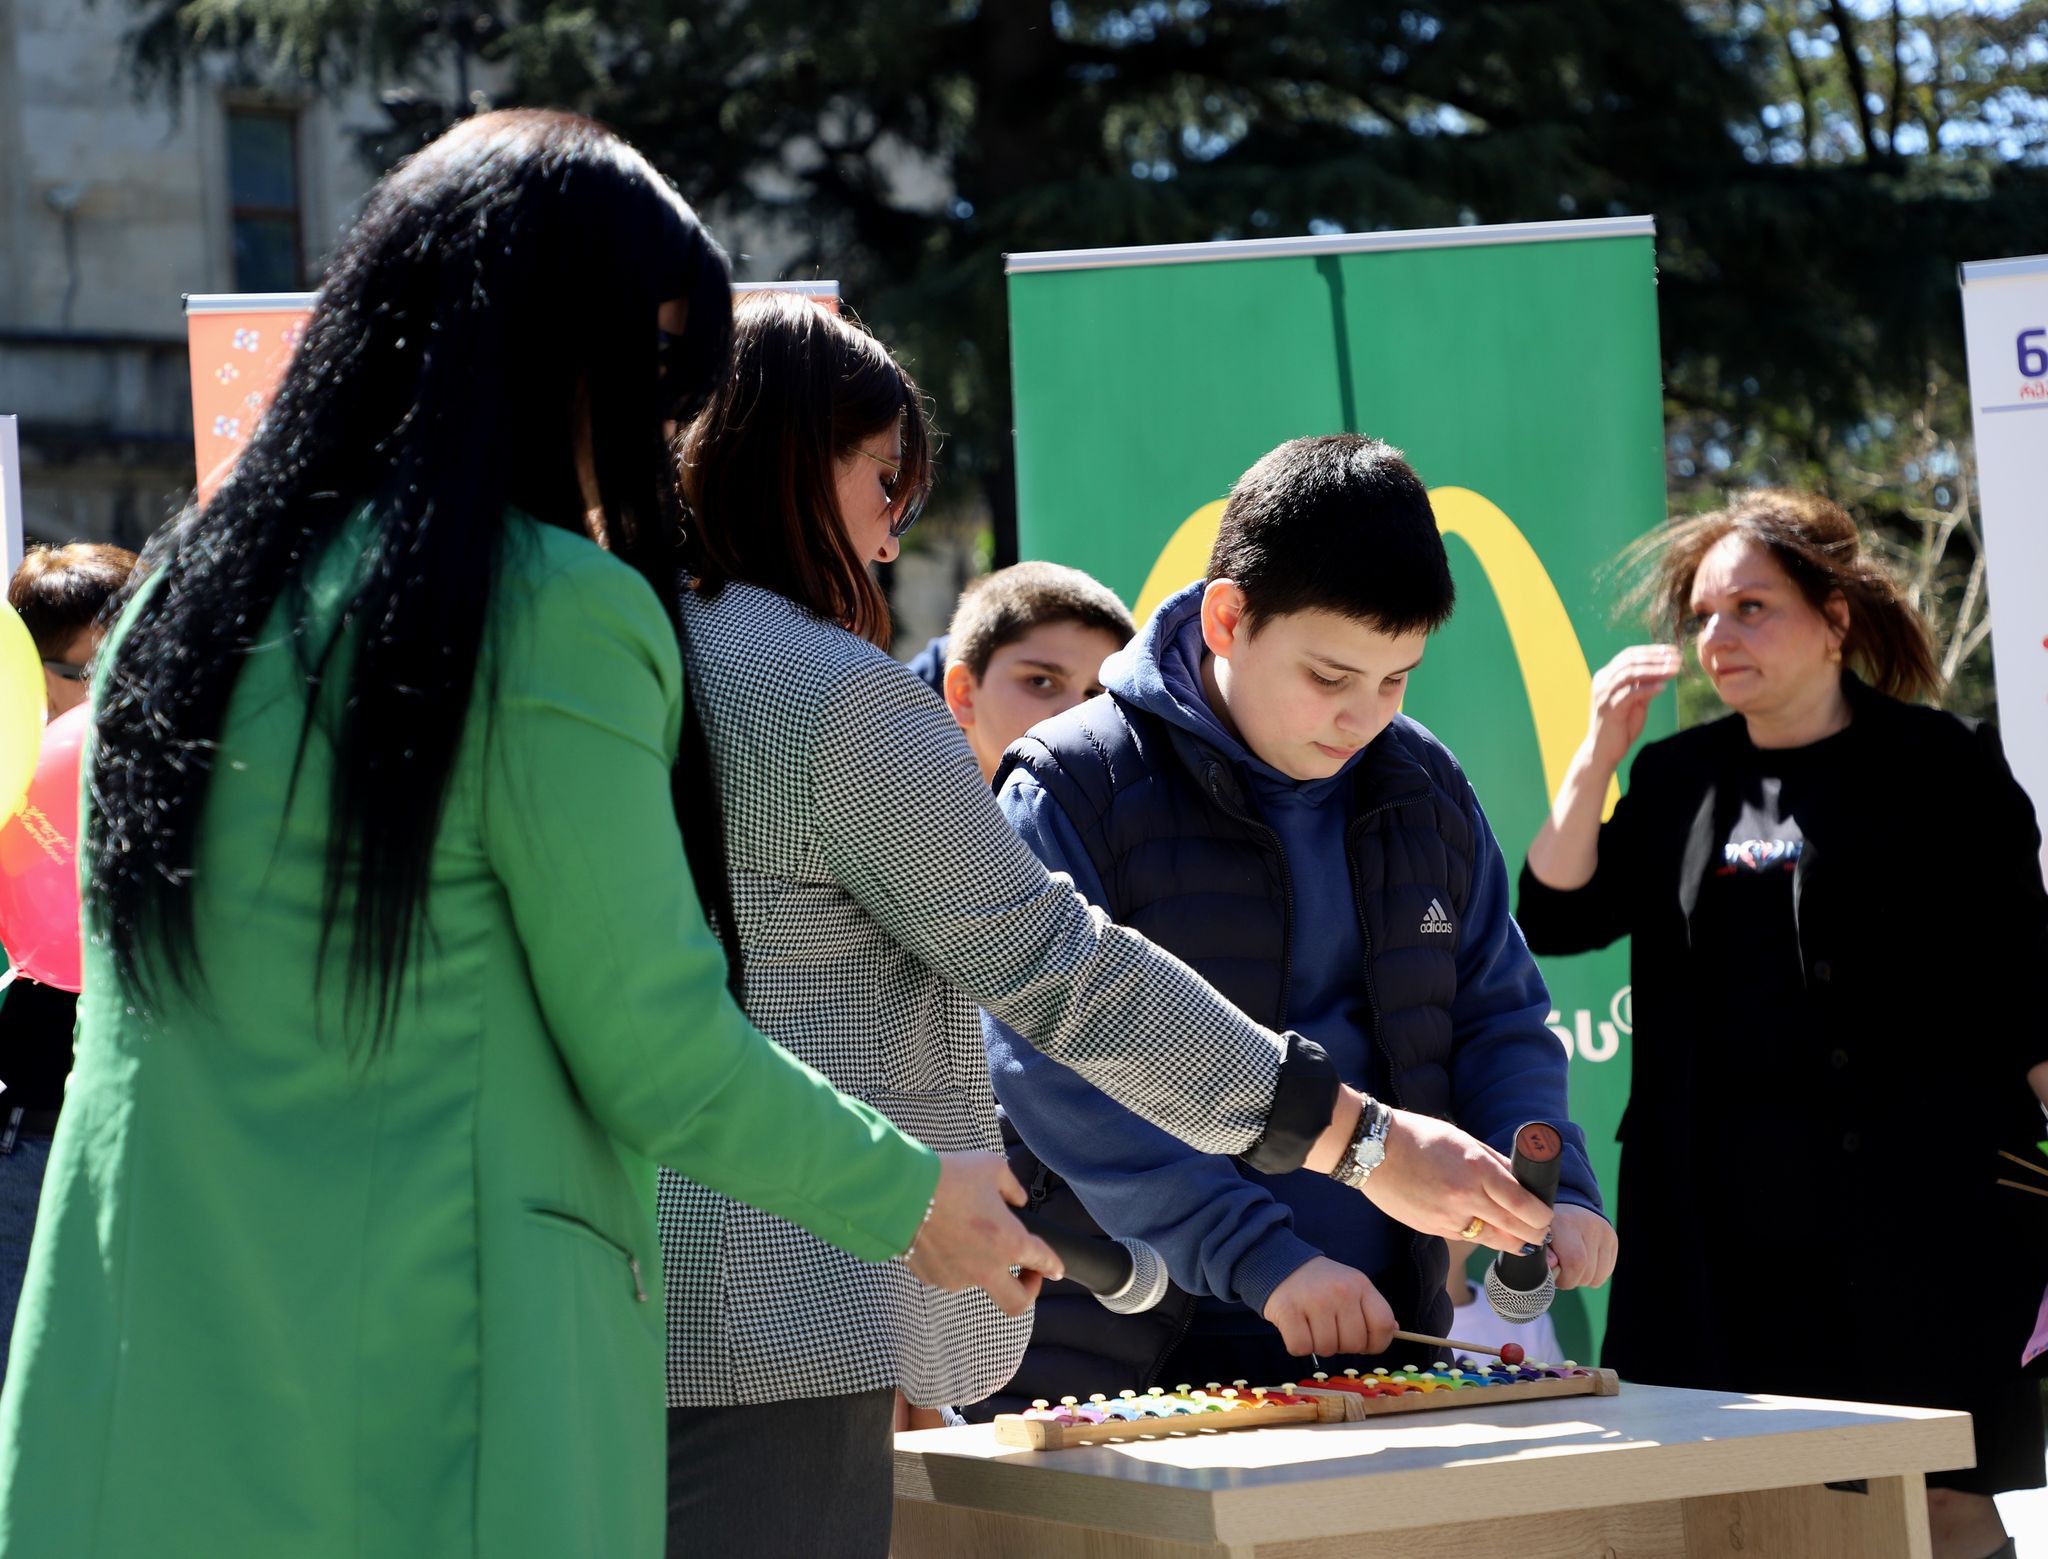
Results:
<point x="1507" y="1352"/>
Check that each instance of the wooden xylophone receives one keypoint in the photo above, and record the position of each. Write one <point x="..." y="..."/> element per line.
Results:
<point x="1325" y="1399"/>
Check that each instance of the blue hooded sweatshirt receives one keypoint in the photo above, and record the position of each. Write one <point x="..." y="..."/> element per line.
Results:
<point x="1230" y="1235"/>
<point x="928" y="665"/>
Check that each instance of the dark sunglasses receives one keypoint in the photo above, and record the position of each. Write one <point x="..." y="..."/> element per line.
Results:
<point x="69" y="670"/>
<point x="907" y="513"/>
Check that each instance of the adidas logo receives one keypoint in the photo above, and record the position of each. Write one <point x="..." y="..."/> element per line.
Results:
<point x="1434" y="919"/>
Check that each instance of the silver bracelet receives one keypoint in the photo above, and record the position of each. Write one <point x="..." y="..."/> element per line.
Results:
<point x="1367" y="1148"/>
<point x="929" y="1208"/>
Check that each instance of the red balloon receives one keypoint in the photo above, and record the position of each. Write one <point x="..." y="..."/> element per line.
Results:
<point x="39" y="862"/>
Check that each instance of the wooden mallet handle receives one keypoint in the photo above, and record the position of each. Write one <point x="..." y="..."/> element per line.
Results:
<point x="1451" y="1345"/>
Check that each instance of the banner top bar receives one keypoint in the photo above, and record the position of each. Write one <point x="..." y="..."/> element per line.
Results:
<point x="291" y="302"/>
<point x="808" y="289"/>
<point x="1992" y="270"/>
<point x="248" y="302"/>
<point x="1330" y="243"/>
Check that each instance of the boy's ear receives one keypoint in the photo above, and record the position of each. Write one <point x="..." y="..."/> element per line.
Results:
<point x="1223" y="617"/>
<point x="960" y="690"/>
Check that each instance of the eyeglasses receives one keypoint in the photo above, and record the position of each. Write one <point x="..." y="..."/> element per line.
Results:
<point x="908" y="512"/>
<point x="69" y="670"/>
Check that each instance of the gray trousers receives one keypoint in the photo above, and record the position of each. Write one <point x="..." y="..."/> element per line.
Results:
<point x="807" y="1479"/>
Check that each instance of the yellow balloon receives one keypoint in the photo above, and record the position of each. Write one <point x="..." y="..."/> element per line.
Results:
<point x="21" y="710"/>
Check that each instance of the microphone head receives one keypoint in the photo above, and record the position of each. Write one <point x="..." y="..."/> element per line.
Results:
<point x="1518" y="1304"/>
<point x="1147" y="1285"/>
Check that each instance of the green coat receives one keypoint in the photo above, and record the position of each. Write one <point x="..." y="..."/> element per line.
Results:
<point x="289" y="1301"/>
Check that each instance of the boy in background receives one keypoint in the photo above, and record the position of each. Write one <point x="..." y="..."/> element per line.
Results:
<point x="1250" y="797"/>
<point x="1026" y="643"/>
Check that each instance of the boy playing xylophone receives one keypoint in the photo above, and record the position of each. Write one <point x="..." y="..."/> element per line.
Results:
<point x="1249" y="796"/>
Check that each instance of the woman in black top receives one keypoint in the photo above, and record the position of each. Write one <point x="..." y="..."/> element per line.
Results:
<point x="1839" y="923"/>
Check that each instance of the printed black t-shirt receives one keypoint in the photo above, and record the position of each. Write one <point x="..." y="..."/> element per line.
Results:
<point x="1762" y="1068"/>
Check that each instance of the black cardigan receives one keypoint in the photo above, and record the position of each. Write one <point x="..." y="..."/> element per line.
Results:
<point x="1922" y="925"/>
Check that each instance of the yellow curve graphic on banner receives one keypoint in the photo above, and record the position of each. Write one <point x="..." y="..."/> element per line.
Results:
<point x="1555" y="676"/>
<point x="1184" y="559"/>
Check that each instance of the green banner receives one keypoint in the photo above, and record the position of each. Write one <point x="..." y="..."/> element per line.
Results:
<point x="1516" y="367"/>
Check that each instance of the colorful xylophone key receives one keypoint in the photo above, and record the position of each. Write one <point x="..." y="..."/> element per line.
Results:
<point x="1323" y="1397"/>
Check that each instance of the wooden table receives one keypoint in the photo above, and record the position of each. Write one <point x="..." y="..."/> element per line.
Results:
<point x="1651" y="1473"/>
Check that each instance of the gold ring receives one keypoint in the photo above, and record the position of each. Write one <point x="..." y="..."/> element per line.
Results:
<point x="1471" y="1230"/>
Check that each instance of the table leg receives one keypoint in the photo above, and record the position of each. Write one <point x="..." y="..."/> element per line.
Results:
<point x="1889" y="1522"/>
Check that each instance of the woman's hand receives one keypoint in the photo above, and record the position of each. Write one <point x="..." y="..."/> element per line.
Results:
<point x="970" y="1238"/>
<point x="1437" y="1179"/>
<point x="1566" y="850"/>
<point x="1622" y="690"/>
<point x="1582" y="1247"/>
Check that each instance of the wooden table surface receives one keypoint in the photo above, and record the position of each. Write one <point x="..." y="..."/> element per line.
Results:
<point x="1650" y="1446"/>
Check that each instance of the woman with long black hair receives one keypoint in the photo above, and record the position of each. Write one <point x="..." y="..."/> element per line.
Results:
<point x="396" y="982"/>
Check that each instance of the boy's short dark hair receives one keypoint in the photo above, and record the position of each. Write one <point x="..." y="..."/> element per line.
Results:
<point x="1002" y="607"/>
<point x="1339" y="524"/>
<point x="62" y="591"/>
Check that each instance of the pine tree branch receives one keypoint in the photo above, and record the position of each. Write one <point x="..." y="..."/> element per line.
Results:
<point x="1898" y="103"/>
<point x="1802" y="83"/>
<point x="1859" y="83"/>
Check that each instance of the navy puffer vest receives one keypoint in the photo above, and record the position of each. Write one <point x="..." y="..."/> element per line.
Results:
<point x="1183" y="859"/>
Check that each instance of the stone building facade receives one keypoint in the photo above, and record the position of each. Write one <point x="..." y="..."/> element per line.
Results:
<point x="112" y="208"/>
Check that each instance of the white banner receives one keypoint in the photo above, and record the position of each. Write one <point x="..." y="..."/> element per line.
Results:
<point x="2005" y="321"/>
<point x="10" y="497"/>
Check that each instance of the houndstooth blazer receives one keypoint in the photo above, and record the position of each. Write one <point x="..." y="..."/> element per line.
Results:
<point x="879" y="899"/>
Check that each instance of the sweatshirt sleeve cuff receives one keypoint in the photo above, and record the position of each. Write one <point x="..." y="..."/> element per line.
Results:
<point x="1277" y="1256"/>
<point x="1578" y="1185"/>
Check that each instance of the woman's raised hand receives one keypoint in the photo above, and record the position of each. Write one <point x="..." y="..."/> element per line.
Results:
<point x="1622" y="690"/>
<point x="971" y="1239"/>
<point x="1566" y="851"/>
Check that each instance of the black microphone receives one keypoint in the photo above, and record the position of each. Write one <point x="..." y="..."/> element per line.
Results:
<point x="1126" y="1276"/>
<point x="1519" y="1287"/>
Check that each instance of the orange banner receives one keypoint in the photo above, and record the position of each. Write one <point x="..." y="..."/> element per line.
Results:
<point x="241" y="342"/>
<point x="239" y="346"/>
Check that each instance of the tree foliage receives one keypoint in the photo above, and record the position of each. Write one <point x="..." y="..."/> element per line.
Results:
<point x="1940" y="110"/>
<point x="1817" y="168"/>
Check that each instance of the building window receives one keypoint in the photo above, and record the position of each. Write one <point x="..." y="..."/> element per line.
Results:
<point x="263" y="194"/>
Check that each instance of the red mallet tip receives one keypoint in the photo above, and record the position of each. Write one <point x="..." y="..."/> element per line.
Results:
<point x="1511" y="1353"/>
